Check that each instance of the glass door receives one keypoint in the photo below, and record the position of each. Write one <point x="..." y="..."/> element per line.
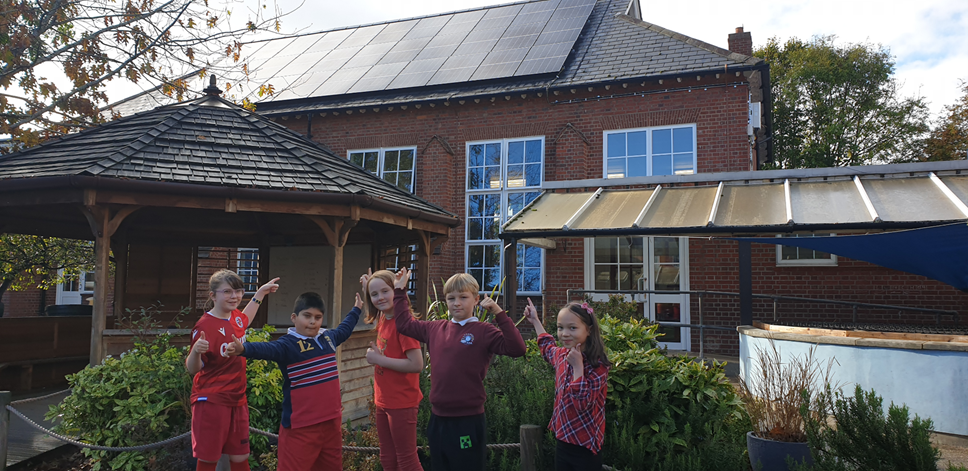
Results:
<point x="667" y="265"/>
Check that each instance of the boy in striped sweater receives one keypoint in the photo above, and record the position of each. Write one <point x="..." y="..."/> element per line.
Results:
<point x="310" y="436"/>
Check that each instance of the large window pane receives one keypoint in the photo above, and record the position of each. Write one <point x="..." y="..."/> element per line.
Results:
<point x="606" y="250"/>
<point x="391" y="160"/>
<point x="616" y="145"/>
<point x="367" y="160"/>
<point x="682" y="140"/>
<point x="636" y="143"/>
<point x="662" y="164"/>
<point x="662" y="141"/>
<point x="616" y="168"/>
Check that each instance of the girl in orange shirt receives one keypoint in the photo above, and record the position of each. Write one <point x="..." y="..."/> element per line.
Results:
<point x="397" y="361"/>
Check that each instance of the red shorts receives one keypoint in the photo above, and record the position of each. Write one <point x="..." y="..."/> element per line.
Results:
<point x="219" y="430"/>
<point x="317" y="447"/>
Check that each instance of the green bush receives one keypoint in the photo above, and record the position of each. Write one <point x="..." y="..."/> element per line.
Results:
<point x="661" y="413"/>
<point x="864" y="438"/>
<point x="143" y="396"/>
<point x="139" y="397"/>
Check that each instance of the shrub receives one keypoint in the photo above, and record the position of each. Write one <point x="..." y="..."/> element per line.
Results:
<point x="864" y="438"/>
<point x="617" y="308"/>
<point x="143" y="396"/>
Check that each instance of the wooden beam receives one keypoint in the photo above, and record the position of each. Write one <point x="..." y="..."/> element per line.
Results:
<point x="511" y="277"/>
<point x="120" y="248"/>
<point x="45" y="197"/>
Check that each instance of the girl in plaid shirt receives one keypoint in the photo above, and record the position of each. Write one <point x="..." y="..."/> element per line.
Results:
<point x="581" y="374"/>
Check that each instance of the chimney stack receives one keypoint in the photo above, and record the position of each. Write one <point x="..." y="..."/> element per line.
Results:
<point x="741" y="42"/>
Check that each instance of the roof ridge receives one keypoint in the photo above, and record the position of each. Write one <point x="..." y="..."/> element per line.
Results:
<point x="735" y="56"/>
<point x="399" y="20"/>
<point x="123" y="153"/>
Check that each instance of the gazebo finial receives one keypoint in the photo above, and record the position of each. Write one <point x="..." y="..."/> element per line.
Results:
<point x="212" y="90"/>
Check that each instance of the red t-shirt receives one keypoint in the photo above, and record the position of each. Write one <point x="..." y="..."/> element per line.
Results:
<point x="393" y="389"/>
<point x="221" y="379"/>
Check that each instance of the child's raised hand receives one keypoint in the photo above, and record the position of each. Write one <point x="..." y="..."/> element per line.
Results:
<point x="365" y="278"/>
<point x="401" y="278"/>
<point x="235" y="348"/>
<point x="490" y="305"/>
<point x="575" y="360"/>
<point x="359" y="302"/>
<point x="531" y="313"/>
<point x="373" y="354"/>
<point x="201" y="345"/>
<point x="271" y="287"/>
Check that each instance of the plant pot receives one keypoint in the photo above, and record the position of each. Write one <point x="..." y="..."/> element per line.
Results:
<point x="771" y="455"/>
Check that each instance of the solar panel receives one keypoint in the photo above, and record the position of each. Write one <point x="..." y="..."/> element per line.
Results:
<point x="496" y="42"/>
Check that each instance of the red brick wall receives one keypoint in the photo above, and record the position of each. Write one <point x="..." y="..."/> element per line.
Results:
<point x="714" y="266"/>
<point x="572" y="128"/>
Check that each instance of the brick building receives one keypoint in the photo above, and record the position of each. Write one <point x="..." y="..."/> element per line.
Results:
<point x="480" y="111"/>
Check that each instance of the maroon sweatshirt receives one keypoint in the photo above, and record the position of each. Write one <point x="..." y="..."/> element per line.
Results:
<point x="459" y="356"/>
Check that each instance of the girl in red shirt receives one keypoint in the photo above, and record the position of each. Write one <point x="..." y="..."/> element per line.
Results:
<point x="397" y="361"/>
<point x="220" y="413"/>
<point x="581" y="375"/>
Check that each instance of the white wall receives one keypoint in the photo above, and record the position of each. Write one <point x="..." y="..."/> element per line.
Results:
<point x="932" y="383"/>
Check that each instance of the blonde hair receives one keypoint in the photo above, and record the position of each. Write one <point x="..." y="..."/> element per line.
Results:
<point x="460" y="283"/>
<point x="219" y="278"/>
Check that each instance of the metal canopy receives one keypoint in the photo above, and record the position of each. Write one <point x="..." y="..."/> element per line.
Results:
<point x="841" y="199"/>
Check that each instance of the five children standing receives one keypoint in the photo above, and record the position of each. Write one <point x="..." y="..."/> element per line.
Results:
<point x="461" y="350"/>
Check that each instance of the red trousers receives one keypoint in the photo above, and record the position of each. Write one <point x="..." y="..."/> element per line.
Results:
<point x="317" y="447"/>
<point x="397" y="429"/>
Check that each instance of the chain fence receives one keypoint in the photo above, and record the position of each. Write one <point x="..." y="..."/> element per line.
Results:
<point x="149" y="446"/>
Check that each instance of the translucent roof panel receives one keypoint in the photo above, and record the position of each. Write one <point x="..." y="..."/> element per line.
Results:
<point x="613" y="209"/>
<point x="827" y="202"/>
<point x="549" y="212"/>
<point x="958" y="185"/>
<point x="489" y="43"/>
<point x="681" y="207"/>
<point x="753" y="205"/>
<point x="909" y="199"/>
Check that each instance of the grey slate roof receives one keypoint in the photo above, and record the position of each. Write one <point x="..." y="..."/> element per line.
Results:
<point x="208" y="141"/>
<point x="612" y="46"/>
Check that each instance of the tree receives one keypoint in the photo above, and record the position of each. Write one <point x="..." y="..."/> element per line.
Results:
<point x="58" y="56"/>
<point x="29" y="261"/>
<point x="839" y="105"/>
<point x="949" y="138"/>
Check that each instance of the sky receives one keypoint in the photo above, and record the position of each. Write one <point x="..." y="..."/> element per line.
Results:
<point x="928" y="38"/>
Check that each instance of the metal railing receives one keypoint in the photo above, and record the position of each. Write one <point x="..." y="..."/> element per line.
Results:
<point x="702" y="326"/>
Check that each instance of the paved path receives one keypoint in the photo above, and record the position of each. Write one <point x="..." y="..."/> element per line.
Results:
<point x="25" y="442"/>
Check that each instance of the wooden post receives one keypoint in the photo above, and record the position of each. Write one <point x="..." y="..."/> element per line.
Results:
<point x="530" y="436"/>
<point x="102" y="268"/>
<point x="5" y="398"/>
<point x="103" y="224"/>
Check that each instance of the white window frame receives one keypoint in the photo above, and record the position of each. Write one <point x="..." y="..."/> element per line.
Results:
<point x="381" y="155"/>
<point x="244" y="271"/>
<point x="816" y="262"/>
<point x="503" y="193"/>
<point x="648" y="147"/>
<point x="63" y="292"/>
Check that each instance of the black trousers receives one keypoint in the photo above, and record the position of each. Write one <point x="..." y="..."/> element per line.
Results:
<point x="570" y="457"/>
<point x="457" y="443"/>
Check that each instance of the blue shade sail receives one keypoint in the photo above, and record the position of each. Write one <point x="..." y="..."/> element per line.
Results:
<point x="939" y="252"/>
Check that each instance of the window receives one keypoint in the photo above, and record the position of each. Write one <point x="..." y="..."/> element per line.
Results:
<point x="502" y="178"/>
<point x="797" y="256"/>
<point x="668" y="150"/>
<point x="618" y="262"/>
<point x="247" y="266"/>
<point x="393" y="165"/>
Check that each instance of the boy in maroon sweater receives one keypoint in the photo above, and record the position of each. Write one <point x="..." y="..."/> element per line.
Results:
<point x="460" y="351"/>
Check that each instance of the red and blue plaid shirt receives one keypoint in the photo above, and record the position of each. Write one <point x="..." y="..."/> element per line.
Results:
<point x="579" y="414"/>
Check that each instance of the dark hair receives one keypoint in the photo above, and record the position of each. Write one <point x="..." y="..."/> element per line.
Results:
<point x="594" y="348"/>
<point x="309" y="300"/>
<point x="219" y="278"/>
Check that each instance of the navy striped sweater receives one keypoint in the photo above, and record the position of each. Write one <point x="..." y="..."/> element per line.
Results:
<point x="311" y="393"/>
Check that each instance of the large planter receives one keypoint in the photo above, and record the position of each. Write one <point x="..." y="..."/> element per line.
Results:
<point x="771" y="455"/>
<point x="69" y="310"/>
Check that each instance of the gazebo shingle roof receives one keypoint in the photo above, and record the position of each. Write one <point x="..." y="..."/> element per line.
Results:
<point x="208" y="141"/>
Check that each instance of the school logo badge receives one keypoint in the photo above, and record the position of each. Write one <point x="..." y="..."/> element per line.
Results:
<point x="465" y="442"/>
<point x="238" y="322"/>
<point x="467" y="339"/>
<point x="221" y="330"/>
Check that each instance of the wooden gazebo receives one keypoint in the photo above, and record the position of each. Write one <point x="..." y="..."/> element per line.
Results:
<point x="208" y="173"/>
